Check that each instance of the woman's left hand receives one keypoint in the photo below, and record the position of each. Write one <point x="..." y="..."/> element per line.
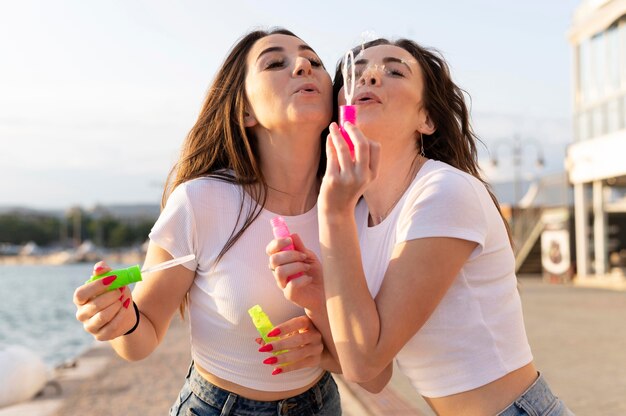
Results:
<point x="307" y="290"/>
<point x="299" y="343"/>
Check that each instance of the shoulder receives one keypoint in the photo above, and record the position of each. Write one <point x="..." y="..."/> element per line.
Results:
<point x="440" y="181"/>
<point x="205" y="190"/>
<point x="443" y="202"/>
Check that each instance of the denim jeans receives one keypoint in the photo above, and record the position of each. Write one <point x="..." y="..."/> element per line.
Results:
<point x="537" y="400"/>
<point x="201" y="398"/>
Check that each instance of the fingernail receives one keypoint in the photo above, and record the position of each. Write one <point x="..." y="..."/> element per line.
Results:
<point x="258" y="340"/>
<point x="277" y="371"/>
<point x="270" y="360"/>
<point x="98" y="269"/>
<point x="274" y="332"/>
<point x="266" y="348"/>
<point x="108" y="280"/>
<point x="126" y="303"/>
<point x="121" y="289"/>
<point x="121" y="297"/>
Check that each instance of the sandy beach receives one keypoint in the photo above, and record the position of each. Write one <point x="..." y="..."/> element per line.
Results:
<point x="576" y="335"/>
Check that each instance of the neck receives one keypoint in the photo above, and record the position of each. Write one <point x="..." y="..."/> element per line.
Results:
<point x="290" y="164"/>
<point x="396" y="172"/>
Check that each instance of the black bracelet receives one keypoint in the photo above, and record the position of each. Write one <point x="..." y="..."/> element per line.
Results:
<point x="130" y="331"/>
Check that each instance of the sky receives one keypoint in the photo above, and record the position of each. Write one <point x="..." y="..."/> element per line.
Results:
<point x="96" y="97"/>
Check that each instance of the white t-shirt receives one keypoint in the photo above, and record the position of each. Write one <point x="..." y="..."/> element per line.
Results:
<point x="476" y="334"/>
<point x="198" y="218"/>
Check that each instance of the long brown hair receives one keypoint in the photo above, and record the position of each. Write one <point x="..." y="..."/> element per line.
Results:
<point x="220" y="146"/>
<point x="454" y="140"/>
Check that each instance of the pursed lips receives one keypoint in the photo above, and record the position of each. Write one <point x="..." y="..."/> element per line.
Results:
<point x="308" y="88"/>
<point x="366" y="97"/>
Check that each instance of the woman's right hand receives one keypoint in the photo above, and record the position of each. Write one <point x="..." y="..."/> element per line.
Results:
<point x="104" y="314"/>
<point x="345" y="179"/>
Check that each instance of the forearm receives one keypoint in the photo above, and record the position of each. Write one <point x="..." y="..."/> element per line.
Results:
<point x="139" y="344"/>
<point x="352" y="313"/>
<point x="330" y="361"/>
<point x="379" y="382"/>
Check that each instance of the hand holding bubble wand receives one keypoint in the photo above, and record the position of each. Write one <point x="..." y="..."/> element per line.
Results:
<point x="347" y="113"/>
<point x="280" y="230"/>
<point x="132" y="274"/>
<point x="263" y="325"/>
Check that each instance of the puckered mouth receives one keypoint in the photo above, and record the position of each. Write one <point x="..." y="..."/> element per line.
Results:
<point x="366" y="97"/>
<point x="308" y="88"/>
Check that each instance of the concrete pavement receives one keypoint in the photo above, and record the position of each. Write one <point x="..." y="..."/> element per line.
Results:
<point x="578" y="339"/>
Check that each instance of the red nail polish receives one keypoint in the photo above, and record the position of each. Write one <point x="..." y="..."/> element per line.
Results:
<point x="274" y="332"/>
<point x="277" y="371"/>
<point x="98" y="269"/>
<point x="126" y="303"/>
<point x="121" y="289"/>
<point x="121" y="297"/>
<point x="266" y="348"/>
<point x="108" y="280"/>
<point x="258" y="340"/>
<point x="270" y="360"/>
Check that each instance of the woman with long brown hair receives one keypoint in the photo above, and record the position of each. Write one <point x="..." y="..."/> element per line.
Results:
<point x="421" y="268"/>
<point x="254" y="152"/>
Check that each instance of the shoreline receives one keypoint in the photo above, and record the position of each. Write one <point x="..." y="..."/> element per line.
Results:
<point x="62" y="258"/>
<point x="102" y="383"/>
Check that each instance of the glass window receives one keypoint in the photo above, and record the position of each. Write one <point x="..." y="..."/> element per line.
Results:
<point x="623" y="124"/>
<point x="622" y="49"/>
<point x="597" y="66"/>
<point x="597" y="121"/>
<point x="584" y="71"/>
<point x="613" y="115"/>
<point x="612" y="78"/>
<point x="582" y="132"/>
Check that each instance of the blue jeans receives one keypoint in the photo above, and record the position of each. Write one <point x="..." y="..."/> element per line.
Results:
<point x="201" y="398"/>
<point x="537" y="400"/>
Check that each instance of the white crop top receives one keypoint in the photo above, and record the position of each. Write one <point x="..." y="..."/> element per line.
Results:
<point x="198" y="218"/>
<point x="476" y="334"/>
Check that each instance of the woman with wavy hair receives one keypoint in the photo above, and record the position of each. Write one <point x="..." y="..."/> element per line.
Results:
<point x="416" y="256"/>
<point x="253" y="153"/>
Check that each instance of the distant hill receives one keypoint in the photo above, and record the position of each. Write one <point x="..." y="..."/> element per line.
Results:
<point x="31" y="211"/>
<point x="126" y="211"/>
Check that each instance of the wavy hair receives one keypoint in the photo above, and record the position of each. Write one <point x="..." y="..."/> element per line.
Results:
<point x="454" y="140"/>
<point x="219" y="145"/>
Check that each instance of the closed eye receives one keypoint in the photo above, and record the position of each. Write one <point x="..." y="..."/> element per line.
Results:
<point x="316" y="63"/>
<point x="275" y="64"/>
<point x="395" y="72"/>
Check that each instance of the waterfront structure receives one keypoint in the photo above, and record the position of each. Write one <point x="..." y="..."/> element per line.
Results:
<point x="595" y="161"/>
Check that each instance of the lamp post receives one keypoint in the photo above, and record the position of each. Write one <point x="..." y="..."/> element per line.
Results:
<point x="519" y="222"/>
<point x="516" y="147"/>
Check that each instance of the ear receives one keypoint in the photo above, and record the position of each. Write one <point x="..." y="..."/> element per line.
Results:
<point x="248" y="119"/>
<point x="427" y="126"/>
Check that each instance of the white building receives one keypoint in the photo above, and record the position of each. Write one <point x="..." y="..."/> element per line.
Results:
<point x="596" y="161"/>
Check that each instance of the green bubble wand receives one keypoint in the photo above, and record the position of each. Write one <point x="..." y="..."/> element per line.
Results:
<point x="132" y="274"/>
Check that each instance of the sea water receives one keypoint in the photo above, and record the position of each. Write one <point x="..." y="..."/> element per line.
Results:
<point x="37" y="312"/>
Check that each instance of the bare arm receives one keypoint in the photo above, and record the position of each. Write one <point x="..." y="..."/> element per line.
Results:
<point x="307" y="291"/>
<point x="367" y="332"/>
<point x="158" y="297"/>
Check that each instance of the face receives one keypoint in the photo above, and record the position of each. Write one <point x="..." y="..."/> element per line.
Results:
<point x="388" y="93"/>
<point x="286" y="85"/>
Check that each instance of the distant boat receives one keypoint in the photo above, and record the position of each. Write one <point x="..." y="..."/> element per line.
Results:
<point x="23" y="374"/>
